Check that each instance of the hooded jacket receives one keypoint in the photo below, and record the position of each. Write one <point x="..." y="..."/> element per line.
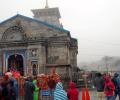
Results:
<point x="99" y="83"/>
<point x="109" y="87"/>
<point x="116" y="81"/>
<point x="73" y="93"/>
<point x="15" y="85"/>
<point x="29" y="89"/>
<point x="35" y="90"/>
<point x="59" y="93"/>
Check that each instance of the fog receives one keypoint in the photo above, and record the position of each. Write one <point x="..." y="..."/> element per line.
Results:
<point x="95" y="23"/>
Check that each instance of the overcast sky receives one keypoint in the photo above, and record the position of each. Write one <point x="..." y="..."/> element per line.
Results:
<point x="95" y="23"/>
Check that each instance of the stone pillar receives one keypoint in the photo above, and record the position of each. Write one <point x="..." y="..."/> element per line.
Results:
<point x="1" y="61"/>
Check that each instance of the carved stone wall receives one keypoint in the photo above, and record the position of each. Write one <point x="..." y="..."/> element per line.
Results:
<point x="50" y="15"/>
<point x="73" y="57"/>
<point x="44" y="45"/>
<point x="31" y="28"/>
<point x="1" y="62"/>
<point x="57" y="54"/>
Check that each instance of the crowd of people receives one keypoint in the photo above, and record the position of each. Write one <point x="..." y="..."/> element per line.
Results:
<point x="41" y="87"/>
<point x="13" y="86"/>
<point x="107" y="86"/>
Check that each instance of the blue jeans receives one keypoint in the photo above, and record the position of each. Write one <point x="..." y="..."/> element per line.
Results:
<point x="109" y="98"/>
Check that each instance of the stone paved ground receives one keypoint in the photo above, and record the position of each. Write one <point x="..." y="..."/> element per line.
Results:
<point x="93" y="95"/>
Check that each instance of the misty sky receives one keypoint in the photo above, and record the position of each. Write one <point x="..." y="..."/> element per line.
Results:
<point x="95" y="23"/>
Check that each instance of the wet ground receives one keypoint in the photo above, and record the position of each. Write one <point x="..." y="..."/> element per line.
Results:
<point x="93" y="95"/>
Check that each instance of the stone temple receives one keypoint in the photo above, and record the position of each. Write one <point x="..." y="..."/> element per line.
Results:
<point x="35" y="45"/>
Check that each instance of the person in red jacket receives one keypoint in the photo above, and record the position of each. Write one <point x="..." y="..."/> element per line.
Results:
<point x="109" y="88"/>
<point x="73" y="93"/>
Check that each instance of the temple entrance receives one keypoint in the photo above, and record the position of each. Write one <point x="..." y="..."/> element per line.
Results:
<point x="15" y="62"/>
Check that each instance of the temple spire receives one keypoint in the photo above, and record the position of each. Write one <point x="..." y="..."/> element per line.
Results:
<point x="46" y="6"/>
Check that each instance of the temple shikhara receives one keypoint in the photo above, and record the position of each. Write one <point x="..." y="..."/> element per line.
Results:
<point x="35" y="45"/>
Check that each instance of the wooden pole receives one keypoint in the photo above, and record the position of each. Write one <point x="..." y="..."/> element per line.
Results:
<point x="85" y="80"/>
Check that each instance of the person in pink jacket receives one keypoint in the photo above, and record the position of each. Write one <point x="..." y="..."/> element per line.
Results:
<point x="109" y="88"/>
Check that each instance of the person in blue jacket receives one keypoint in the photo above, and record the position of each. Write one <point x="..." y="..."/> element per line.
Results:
<point x="59" y="93"/>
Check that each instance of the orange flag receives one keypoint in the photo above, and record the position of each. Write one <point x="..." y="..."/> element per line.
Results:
<point x="83" y="94"/>
<point x="87" y="94"/>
